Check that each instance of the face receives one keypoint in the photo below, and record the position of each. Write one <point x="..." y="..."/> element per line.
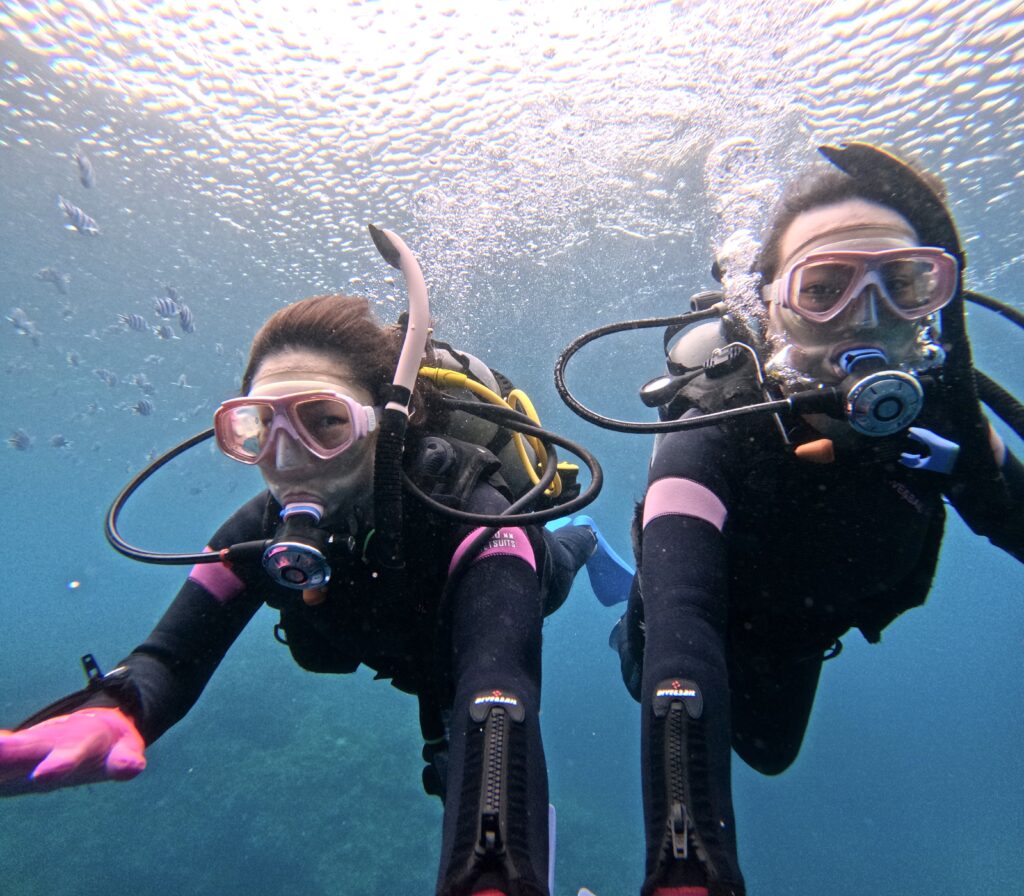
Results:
<point x="291" y="471"/>
<point x="812" y="348"/>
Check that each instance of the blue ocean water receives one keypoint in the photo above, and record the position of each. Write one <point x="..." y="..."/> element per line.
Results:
<point x="554" y="170"/>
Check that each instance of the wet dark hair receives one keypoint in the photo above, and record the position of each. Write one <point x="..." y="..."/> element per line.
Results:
<point x="825" y="185"/>
<point x="347" y="328"/>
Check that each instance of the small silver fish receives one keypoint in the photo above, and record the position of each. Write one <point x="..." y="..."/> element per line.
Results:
<point x="133" y="322"/>
<point x="51" y="275"/>
<point x="77" y="219"/>
<point x="86" y="175"/>
<point x="186" y="319"/>
<point x="19" y="440"/>
<point x="143" y="407"/>
<point x="165" y="307"/>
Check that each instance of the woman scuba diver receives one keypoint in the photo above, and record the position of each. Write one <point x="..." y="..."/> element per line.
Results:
<point x="789" y="498"/>
<point x="449" y="609"/>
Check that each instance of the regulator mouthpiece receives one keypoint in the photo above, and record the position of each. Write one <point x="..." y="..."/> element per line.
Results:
<point x="878" y="401"/>
<point x="296" y="558"/>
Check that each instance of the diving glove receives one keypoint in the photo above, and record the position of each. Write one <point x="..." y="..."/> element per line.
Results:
<point x="83" y="747"/>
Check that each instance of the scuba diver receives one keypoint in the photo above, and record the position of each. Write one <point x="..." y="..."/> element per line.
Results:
<point x="444" y="594"/>
<point x="807" y="443"/>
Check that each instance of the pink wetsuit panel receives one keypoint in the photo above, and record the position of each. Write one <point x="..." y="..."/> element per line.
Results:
<point x="683" y="497"/>
<point x="506" y="542"/>
<point x="217" y="579"/>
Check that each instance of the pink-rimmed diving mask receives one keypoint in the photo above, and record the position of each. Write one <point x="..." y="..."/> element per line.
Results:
<point x="914" y="282"/>
<point x="324" y="422"/>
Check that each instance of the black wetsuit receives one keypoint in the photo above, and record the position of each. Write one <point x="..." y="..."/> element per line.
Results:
<point x="489" y="641"/>
<point x="747" y="612"/>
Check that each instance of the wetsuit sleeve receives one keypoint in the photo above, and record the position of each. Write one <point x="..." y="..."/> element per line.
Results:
<point x="683" y="583"/>
<point x="495" y="668"/>
<point x="994" y="508"/>
<point x="168" y="671"/>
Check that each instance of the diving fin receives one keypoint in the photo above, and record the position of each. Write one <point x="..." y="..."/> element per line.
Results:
<point x="610" y="576"/>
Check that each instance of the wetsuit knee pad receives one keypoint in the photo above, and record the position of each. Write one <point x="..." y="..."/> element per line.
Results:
<point x="491" y="840"/>
<point x="685" y="832"/>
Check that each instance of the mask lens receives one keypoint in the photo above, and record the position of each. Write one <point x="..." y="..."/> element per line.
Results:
<point x="326" y="421"/>
<point x="243" y="430"/>
<point x="819" y="287"/>
<point x="914" y="285"/>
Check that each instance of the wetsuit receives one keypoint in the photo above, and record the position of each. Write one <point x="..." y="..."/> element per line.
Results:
<point x="485" y="640"/>
<point x="752" y="563"/>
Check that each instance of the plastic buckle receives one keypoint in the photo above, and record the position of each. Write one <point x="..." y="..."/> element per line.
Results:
<point x="940" y="454"/>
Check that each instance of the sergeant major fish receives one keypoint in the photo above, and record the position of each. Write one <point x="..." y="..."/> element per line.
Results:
<point x="77" y="219"/>
<point x="186" y="319"/>
<point x="133" y="322"/>
<point x="165" y="307"/>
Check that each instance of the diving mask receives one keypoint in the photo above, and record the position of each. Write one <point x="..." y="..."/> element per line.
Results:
<point x="913" y="282"/>
<point x="326" y="423"/>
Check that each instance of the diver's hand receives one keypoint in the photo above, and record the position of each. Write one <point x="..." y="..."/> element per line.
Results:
<point x="83" y="747"/>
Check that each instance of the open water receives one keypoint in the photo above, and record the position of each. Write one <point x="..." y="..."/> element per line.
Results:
<point x="555" y="166"/>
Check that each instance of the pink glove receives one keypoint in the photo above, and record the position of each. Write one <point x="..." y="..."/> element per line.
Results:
<point x="83" y="747"/>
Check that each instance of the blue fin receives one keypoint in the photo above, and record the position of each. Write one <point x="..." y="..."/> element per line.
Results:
<point x="610" y="576"/>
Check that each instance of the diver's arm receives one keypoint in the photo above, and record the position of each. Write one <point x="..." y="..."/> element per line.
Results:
<point x="495" y="738"/>
<point x="994" y="506"/>
<point x="684" y="586"/>
<point x="169" y="670"/>
<point x="100" y="733"/>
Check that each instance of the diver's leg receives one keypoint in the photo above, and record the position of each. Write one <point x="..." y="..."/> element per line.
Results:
<point x="567" y="549"/>
<point x="772" y="696"/>
<point x="610" y="576"/>
<point x="685" y="728"/>
<point x="496" y="810"/>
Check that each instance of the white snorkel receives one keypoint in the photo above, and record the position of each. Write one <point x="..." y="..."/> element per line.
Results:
<point x="387" y="468"/>
<point x="397" y="254"/>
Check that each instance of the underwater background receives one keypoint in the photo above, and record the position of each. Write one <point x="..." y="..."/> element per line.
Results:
<point x="555" y="166"/>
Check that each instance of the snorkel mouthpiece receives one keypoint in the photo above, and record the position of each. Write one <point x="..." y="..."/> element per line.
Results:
<point x="879" y="401"/>
<point x="296" y="558"/>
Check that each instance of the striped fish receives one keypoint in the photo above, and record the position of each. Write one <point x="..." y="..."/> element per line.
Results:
<point x="165" y="307"/>
<point x="77" y="219"/>
<point x="133" y="322"/>
<point x="186" y="319"/>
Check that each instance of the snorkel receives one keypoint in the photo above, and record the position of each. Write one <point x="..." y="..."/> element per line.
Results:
<point x="387" y="471"/>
